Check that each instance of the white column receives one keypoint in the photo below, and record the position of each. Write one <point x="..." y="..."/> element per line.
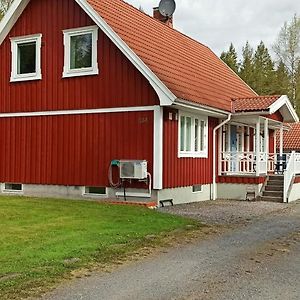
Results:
<point x="281" y="140"/>
<point x="220" y="147"/>
<point x="257" y="147"/>
<point x="266" y="141"/>
<point x="158" y="149"/>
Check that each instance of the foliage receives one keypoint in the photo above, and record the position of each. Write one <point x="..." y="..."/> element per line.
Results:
<point x="263" y="68"/>
<point x="230" y="58"/>
<point x="4" y="6"/>
<point x="287" y="50"/>
<point x="268" y="76"/>
<point x="42" y="239"/>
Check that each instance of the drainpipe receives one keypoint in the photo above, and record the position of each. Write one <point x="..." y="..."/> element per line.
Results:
<point x="214" y="196"/>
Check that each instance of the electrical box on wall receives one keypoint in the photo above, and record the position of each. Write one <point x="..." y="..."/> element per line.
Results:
<point x="133" y="169"/>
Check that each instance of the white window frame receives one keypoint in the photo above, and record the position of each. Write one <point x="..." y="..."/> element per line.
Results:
<point x="193" y="153"/>
<point x="197" y="192"/>
<point x="86" y="194"/>
<point x="68" y="72"/>
<point x="8" y="191"/>
<point x="15" y="41"/>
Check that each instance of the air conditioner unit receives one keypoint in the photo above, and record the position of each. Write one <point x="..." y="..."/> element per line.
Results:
<point x="133" y="169"/>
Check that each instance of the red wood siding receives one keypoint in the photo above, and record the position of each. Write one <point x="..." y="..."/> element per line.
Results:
<point x="271" y="140"/>
<point x="182" y="172"/>
<point x="241" y="180"/>
<point x="277" y="116"/>
<point x="118" y="84"/>
<point x="72" y="150"/>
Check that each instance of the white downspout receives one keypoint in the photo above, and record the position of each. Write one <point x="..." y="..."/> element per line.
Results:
<point x="214" y="196"/>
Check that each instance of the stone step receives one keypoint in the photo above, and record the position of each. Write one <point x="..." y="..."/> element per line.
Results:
<point x="272" y="199"/>
<point x="273" y="194"/>
<point x="274" y="188"/>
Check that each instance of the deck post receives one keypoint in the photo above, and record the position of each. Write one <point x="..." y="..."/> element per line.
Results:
<point x="257" y="139"/>
<point x="266" y="141"/>
<point x="281" y="141"/>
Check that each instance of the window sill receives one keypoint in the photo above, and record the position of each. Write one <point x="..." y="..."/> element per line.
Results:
<point x="80" y="73"/>
<point x="26" y="78"/>
<point x="12" y="192"/>
<point x="192" y="155"/>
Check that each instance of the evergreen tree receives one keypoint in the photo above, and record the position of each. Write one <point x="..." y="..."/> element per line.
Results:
<point x="263" y="68"/>
<point x="230" y="58"/>
<point x="247" y="68"/>
<point x="281" y="84"/>
<point x="287" y="49"/>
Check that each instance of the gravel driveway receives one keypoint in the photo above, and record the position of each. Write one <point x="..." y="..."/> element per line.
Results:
<point x="259" y="260"/>
<point x="225" y="212"/>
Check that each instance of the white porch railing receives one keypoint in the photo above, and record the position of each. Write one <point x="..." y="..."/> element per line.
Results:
<point x="292" y="169"/>
<point x="246" y="163"/>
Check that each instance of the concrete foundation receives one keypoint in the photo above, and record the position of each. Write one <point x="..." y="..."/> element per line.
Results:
<point x="235" y="191"/>
<point x="185" y="194"/>
<point x="295" y="192"/>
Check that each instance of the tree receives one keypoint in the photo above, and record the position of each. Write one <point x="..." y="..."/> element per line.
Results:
<point x="247" y="68"/>
<point x="281" y="84"/>
<point x="263" y="68"/>
<point x="4" y="6"/>
<point x="230" y="58"/>
<point x="287" y="50"/>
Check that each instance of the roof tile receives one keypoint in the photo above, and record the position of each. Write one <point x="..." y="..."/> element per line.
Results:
<point x="188" y="68"/>
<point x="258" y="103"/>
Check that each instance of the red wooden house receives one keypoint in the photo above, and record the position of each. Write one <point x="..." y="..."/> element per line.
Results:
<point x="89" y="86"/>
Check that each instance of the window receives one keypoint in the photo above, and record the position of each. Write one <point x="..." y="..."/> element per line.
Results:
<point x="198" y="188"/>
<point x="12" y="187"/>
<point x="101" y="191"/>
<point x="81" y="51"/>
<point x="193" y="136"/>
<point x="26" y="58"/>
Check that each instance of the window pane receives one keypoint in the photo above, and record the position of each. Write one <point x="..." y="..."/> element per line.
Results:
<point x="81" y="51"/>
<point x="188" y="134"/>
<point x="196" y="135"/>
<point x="27" y="58"/>
<point x="202" y="136"/>
<point x="182" y="133"/>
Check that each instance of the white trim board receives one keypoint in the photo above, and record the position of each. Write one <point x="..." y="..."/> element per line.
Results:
<point x="166" y="97"/>
<point x="78" y="112"/>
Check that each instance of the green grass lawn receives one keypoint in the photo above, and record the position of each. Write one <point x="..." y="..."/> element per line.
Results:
<point x="43" y="240"/>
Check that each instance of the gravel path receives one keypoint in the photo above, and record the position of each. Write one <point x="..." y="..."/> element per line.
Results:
<point x="225" y="212"/>
<point x="260" y="260"/>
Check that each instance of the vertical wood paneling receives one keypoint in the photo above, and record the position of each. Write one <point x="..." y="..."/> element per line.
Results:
<point x="118" y="84"/>
<point x="72" y="150"/>
<point x="181" y="172"/>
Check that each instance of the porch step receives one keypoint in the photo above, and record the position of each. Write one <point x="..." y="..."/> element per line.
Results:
<point x="273" y="194"/>
<point x="272" y="199"/>
<point x="273" y="191"/>
<point x="274" y="187"/>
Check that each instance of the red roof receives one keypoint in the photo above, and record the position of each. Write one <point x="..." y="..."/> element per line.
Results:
<point x="258" y="103"/>
<point x="189" y="69"/>
<point x="291" y="138"/>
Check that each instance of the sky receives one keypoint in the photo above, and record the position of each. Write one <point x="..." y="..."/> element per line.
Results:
<point x="217" y="23"/>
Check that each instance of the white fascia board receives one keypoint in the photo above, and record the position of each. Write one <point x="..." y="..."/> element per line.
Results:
<point x="194" y="107"/>
<point x="284" y="101"/>
<point x="166" y="97"/>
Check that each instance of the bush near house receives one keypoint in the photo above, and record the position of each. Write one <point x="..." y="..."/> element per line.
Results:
<point x="44" y="240"/>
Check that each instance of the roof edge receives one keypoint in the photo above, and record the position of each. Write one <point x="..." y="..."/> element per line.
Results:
<point x="281" y="102"/>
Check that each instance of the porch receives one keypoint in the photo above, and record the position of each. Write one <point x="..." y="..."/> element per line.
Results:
<point x="248" y="147"/>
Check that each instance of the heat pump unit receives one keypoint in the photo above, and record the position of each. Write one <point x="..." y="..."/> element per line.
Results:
<point x="133" y="169"/>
